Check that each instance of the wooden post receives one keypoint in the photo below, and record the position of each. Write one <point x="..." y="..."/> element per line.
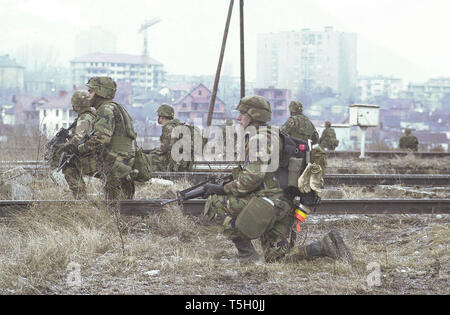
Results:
<point x="219" y="67"/>
<point x="241" y="6"/>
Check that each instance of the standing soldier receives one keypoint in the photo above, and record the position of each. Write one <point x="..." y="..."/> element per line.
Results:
<point x="269" y="212"/>
<point x="328" y="139"/>
<point x="112" y="140"/>
<point x="408" y="141"/>
<point x="85" y="165"/>
<point x="161" y="157"/>
<point x="298" y="125"/>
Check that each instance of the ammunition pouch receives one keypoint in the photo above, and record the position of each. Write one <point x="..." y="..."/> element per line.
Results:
<point x="295" y="168"/>
<point x="257" y="217"/>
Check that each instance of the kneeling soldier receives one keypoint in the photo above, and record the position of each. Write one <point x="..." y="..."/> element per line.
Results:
<point x="254" y="206"/>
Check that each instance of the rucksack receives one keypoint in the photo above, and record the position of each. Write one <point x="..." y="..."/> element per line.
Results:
<point x="142" y="163"/>
<point x="295" y="154"/>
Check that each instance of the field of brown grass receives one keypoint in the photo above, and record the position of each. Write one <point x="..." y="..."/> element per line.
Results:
<point x="78" y="250"/>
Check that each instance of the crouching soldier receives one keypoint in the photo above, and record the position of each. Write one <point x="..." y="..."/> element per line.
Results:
<point x="162" y="159"/>
<point x="86" y="164"/>
<point x="328" y="139"/>
<point x="112" y="140"/>
<point x="408" y="141"/>
<point x="254" y="206"/>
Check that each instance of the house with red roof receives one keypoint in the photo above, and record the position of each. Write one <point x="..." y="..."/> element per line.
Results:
<point x="194" y="107"/>
<point x="26" y="110"/>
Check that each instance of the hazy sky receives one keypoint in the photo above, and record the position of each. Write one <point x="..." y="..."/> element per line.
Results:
<point x="403" y="38"/>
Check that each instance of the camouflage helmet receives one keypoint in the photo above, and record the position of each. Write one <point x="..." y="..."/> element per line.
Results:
<point x="79" y="99"/>
<point x="257" y="107"/>
<point x="327" y="124"/>
<point x="103" y="86"/>
<point x="229" y="122"/>
<point x="295" y="107"/>
<point x="166" y="111"/>
<point x="407" y="131"/>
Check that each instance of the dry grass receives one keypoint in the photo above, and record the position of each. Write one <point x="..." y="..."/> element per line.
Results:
<point x="408" y="164"/>
<point x="170" y="253"/>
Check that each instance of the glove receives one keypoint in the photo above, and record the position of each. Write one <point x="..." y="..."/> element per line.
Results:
<point x="213" y="189"/>
<point x="81" y="149"/>
<point x="71" y="148"/>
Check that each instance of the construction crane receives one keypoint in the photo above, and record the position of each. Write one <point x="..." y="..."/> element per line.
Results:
<point x="143" y="29"/>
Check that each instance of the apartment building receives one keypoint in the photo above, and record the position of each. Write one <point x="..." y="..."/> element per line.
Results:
<point x="369" y="87"/>
<point x="306" y="59"/>
<point x="431" y="92"/>
<point x="144" y="73"/>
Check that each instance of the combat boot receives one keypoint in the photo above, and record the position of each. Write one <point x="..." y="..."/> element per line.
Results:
<point x="332" y="245"/>
<point x="246" y="252"/>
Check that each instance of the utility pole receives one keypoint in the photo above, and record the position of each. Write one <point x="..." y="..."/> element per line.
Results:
<point x="219" y="68"/>
<point x="241" y="11"/>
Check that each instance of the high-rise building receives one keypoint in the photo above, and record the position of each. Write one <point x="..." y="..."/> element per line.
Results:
<point x="304" y="60"/>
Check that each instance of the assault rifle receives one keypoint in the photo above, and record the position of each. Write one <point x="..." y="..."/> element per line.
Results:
<point x="53" y="146"/>
<point x="67" y="158"/>
<point x="196" y="190"/>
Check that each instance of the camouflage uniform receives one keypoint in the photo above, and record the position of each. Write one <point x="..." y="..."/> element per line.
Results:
<point x="86" y="164"/>
<point x="112" y="140"/>
<point x="250" y="195"/>
<point x="408" y="141"/>
<point x="251" y="181"/>
<point x="328" y="139"/>
<point x="161" y="157"/>
<point x="298" y="125"/>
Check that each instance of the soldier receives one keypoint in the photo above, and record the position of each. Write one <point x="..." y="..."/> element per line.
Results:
<point x="408" y="141"/>
<point x="328" y="139"/>
<point x="254" y="206"/>
<point x="161" y="157"/>
<point x="298" y="125"/>
<point x="112" y="140"/>
<point x="85" y="165"/>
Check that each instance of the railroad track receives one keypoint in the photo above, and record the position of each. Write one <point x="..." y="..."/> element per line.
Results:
<point x="330" y="179"/>
<point x="334" y="179"/>
<point x="196" y="206"/>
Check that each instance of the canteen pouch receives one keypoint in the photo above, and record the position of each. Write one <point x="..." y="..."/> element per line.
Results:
<point x="257" y="217"/>
<point x="294" y="171"/>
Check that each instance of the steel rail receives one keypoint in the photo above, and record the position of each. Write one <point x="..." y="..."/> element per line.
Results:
<point x="333" y="179"/>
<point x="330" y="179"/>
<point x="330" y="154"/>
<point x="196" y="206"/>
